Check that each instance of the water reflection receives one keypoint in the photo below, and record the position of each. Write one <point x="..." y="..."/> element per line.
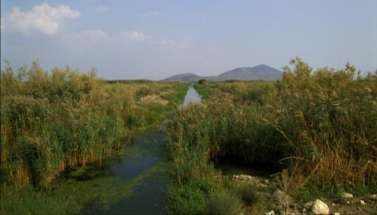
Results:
<point x="192" y="97"/>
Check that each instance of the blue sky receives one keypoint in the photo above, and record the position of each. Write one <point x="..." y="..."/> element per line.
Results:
<point x="157" y="38"/>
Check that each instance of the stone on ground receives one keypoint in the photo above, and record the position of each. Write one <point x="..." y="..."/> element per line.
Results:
<point x="320" y="208"/>
<point x="282" y="198"/>
<point x="270" y="213"/>
<point x="346" y="195"/>
<point x="255" y="181"/>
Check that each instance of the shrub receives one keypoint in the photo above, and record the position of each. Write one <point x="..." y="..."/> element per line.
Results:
<point x="223" y="203"/>
<point x="247" y="193"/>
<point x="202" y="81"/>
<point x="186" y="200"/>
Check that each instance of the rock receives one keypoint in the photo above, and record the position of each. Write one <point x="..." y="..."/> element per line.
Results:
<point x="346" y="195"/>
<point x="243" y="177"/>
<point x="373" y="196"/>
<point x="336" y="213"/>
<point x="362" y="202"/>
<point x="270" y="213"/>
<point x="255" y="181"/>
<point x="308" y="204"/>
<point x="319" y="207"/>
<point x="282" y="198"/>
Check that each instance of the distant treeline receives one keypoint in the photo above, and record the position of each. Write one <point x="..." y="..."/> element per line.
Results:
<point x="128" y="81"/>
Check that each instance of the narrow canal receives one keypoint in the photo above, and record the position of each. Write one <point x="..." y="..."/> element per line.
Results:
<point x="145" y="162"/>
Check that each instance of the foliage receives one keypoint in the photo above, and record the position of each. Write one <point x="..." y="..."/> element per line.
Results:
<point x="223" y="203"/>
<point x="318" y="124"/>
<point x="57" y="121"/>
<point x="187" y="200"/>
<point x="247" y="193"/>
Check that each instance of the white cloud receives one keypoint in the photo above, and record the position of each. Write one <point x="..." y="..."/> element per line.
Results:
<point x="135" y="35"/>
<point x="93" y="37"/>
<point x="41" y="18"/>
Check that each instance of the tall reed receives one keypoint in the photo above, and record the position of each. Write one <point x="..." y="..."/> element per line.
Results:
<point x="320" y="123"/>
<point x="63" y="119"/>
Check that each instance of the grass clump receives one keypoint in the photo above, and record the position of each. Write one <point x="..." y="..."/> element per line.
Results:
<point x="247" y="193"/>
<point x="186" y="200"/>
<point x="223" y="203"/>
<point x="52" y="122"/>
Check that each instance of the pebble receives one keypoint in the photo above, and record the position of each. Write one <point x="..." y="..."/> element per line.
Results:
<point x="255" y="181"/>
<point x="362" y="202"/>
<point x="270" y="213"/>
<point x="243" y="177"/>
<point x="282" y="198"/>
<point x="346" y="195"/>
<point x="308" y="204"/>
<point x="319" y="207"/>
<point x="336" y="213"/>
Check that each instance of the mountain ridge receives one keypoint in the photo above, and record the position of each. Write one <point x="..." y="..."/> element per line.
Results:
<point x="259" y="72"/>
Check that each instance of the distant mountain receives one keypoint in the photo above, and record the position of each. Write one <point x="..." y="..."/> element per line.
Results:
<point x="260" y="72"/>
<point x="184" y="77"/>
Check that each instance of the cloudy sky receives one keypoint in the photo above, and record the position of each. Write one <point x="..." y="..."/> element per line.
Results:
<point x="153" y="39"/>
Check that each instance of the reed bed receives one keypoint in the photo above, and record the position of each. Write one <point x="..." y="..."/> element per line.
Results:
<point x="320" y="125"/>
<point x="57" y="121"/>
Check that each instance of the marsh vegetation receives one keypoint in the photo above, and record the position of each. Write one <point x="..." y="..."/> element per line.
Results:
<point x="313" y="134"/>
<point x="63" y="126"/>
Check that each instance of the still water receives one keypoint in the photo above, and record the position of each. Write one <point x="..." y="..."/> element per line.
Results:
<point x="147" y="152"/>
<point x="192" y="97"/>
<point x="149" y="195"/>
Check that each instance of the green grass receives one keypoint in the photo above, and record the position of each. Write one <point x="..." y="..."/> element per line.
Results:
<point x="223" y="203"/>
<point x="186" y="200"/>
<point x="203" y="89"/>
